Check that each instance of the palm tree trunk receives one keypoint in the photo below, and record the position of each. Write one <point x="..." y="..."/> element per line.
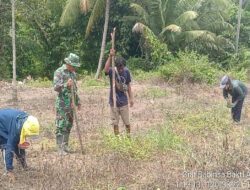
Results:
<point x="14" y="95"/>
<point x="103" y="38"/>
<point x="238" y="27"/>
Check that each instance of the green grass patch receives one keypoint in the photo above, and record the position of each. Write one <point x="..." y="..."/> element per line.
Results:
<point x="144" y="146"/>
<point x="90" y="81"/>
<point x="40" y="83"/>
<point x="156" y="92"/>
<point x="203" y="122"/>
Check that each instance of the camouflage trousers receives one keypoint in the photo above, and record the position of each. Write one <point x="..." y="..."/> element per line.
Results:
<point x="64" y="121"/>
<point x="64" y="118"/>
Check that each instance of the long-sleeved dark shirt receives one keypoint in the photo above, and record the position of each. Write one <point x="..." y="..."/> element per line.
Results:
<point x="11" y="123"/>
<point x="237" y="90"/>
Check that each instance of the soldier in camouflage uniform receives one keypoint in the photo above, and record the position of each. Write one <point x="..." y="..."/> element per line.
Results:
<point x="64" y="79"/>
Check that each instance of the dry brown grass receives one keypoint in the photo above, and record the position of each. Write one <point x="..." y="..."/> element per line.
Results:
<point x="222" y="148"/>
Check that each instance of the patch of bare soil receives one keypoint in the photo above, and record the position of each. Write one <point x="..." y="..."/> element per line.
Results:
<point x="97" y="169"/>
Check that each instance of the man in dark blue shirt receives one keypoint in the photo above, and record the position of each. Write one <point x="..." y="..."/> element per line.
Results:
<point x="238" y="91"/>
<point x="122" y="86"/>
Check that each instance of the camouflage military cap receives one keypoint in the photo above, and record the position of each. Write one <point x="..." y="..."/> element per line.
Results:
<point x="72" y="60"/>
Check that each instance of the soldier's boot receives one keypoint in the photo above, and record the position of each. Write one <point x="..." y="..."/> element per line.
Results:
<point x="116" y="129"/>
<point x="59" y="144"/>
<point x="66" y="143"/>
<point x="128" y="130"/>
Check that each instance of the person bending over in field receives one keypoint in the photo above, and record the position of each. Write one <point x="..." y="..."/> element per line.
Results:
<point x="238" y="91"/>
<point x="15" y="127"/>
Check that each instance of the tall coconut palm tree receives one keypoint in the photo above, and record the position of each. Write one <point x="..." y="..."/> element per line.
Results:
<point x="179" y="23"/>
<point x="104" y="36"/>
<point x="73" y="9"/>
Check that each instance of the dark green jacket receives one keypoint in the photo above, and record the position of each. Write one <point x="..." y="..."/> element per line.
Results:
<point x="237" y="90"/>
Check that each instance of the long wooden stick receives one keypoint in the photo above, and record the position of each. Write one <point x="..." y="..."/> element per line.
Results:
<point x="113" y="69"/>
<point x="74" y="113"/>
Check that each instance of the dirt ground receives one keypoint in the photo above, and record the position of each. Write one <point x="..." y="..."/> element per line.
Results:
<point x="100" y="169"/>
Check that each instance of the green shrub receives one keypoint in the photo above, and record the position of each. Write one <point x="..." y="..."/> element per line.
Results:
<point x="158" y="52"/>
<point x="238" y="74"/>
<point x="239" y="64"/>
<point x="243" y="58"/>
<point x="191" y="67"/>
<point x="135" y="63"/>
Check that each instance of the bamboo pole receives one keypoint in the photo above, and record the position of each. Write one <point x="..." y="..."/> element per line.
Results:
<point x="75" y="116"/>
<point x="113" y="70"/>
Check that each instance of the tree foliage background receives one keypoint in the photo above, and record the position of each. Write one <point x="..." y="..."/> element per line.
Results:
<point x="161" y="29"/>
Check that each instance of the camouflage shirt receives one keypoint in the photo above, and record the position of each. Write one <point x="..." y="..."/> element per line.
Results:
<point x="61" y="77"/>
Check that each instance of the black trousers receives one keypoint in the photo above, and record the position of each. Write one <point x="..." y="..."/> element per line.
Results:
<point x="236" y="111"/>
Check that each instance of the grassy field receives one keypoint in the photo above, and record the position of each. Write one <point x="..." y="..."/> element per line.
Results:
<point x="182" y="137"/>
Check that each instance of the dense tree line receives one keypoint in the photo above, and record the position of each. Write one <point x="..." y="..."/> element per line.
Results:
<point x="46" y="32"/>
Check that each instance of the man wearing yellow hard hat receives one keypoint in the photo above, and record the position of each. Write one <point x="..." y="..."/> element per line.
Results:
<point x="15" y="127"/>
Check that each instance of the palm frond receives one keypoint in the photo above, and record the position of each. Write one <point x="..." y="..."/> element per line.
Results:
<point x="157" y="7"/>
<point x="141" y="12"/>
<point x="221" y="3"/>
<point x="165" y="5"/>
<point x="141" y="28"/>
<point x="209" y="17"/>
<point x="173" y="31"/>
<point x="225" y="42"/>
<point x="219" y="26"/>
<point x="208" y="39"/>
<point x="213" y="6"/>
<point x="70" y="13"/>
<point x="190" y="36"/>
<point x="162" y="13"/>
<point x="172" y="28"/>
<point x="185" y="17"/>
<point x="97" y="12"/>
<point x="201" y="38"/>
<point x="158" y="15"/>
<point x="188" y="4"/>
<point x="85" y="6"/>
